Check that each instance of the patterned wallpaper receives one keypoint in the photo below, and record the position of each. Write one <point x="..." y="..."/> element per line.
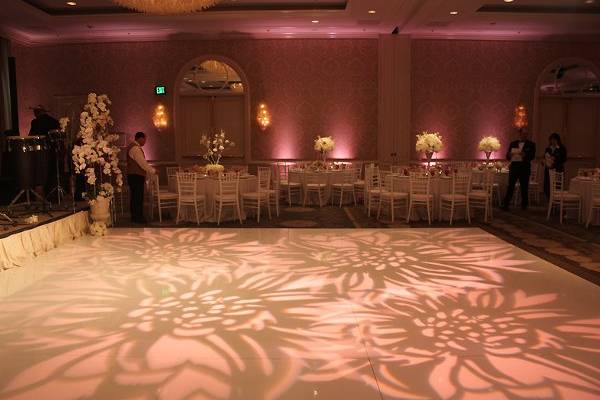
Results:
<point x="469" y="89"/>
<point x="312" y="87"/>
<point x="464" y="89"/>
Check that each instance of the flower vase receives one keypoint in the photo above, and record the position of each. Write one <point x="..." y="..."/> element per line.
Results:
<point x="100" y="210"/>
<point x="324" y="157"/>
<point x="429" y="155"/>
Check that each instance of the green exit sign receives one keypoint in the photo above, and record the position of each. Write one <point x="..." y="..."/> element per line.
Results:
<point x="160" y="90"/>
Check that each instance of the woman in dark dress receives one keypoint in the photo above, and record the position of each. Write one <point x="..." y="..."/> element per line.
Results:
<point x="555" y="157"/>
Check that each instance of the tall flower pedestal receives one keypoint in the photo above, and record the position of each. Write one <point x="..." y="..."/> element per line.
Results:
<point x="100" y="210"/>
<point x="100" y="214"/>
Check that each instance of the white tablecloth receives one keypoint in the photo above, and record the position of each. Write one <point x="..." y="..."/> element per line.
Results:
<point x="209" y="187"/>
<point x="583" y="187"/>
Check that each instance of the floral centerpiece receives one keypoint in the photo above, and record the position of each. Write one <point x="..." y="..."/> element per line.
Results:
<point x="96" y="156"/>
<point x="324" y="145"/>
<point x="215" y="146"/>
<point x="488" y="145"/>
<point x="429" y="143"/>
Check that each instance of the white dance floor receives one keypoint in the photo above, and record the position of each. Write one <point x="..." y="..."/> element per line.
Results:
<point x="297" y="314"/>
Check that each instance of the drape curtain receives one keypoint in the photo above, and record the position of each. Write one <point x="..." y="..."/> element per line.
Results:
<point x="5" y="107"/>
<point x="17" y="249"/>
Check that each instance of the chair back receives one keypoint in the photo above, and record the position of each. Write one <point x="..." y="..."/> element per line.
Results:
<point x="264" y="179"/>
<point x="229" y="183"/>
<point x="461" y="183"/>
<point x="347" y="177"/>
<point x="313" y="177"/>
<point x="283" y="171"/>
<point x="487" y="182"/>
<point x="557" y="182"/>
<point x="357" y="167"/>
<point x="171" y="177"/>
<point x="371" y="176"/>
<point x="420" y="183"/>
<point x="186" y="184"/>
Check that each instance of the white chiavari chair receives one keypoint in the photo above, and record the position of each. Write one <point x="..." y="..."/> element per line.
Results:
<point x="164" y="199"/>
<point x="275" y="189"/>
<point x="172" y="177"/>
<point x="482" y="197"/>
<point x="254" y="200"/>
<point x="562" y="198"/>
<point x="359" y="182"/>
<point x="313" y="183"/>
<point x="420" y="194"/>
<point x="372" y="187"/>
<point x="188" y="195"/>
<point x="594" y="202"/>
<point x="392" y="195"/>
<point x="228" y="195"/>
<point x="461" y="184"/>
<point x="345" y="186"/>
<point x="288" y="186"/>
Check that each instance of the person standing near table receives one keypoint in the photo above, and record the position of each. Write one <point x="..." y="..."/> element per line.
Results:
<point x="520" y="154"/>
<point x="555" y="157"/>
<point x="137" y="170"/>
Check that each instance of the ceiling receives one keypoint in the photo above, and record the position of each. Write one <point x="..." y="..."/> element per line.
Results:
<point x="53" y="21"/>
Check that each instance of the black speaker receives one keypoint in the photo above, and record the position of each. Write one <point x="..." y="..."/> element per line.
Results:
<point x="14" y="104"/>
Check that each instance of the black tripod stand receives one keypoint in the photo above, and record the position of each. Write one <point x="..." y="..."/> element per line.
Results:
<point x="58" y="142"/>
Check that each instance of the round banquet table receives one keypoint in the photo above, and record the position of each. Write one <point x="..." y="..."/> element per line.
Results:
<point x="329" y="178"/>
<point x="209" y="187"/>
<point x="583" y="187"/>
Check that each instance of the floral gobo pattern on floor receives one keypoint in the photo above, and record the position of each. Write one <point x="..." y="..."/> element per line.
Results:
<point x="297" y="314"/>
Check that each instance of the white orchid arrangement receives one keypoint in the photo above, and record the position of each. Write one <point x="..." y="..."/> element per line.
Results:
<point x="97" y="155"/>
<point x="489" y="144"/>
<point x="429" y="142"/>
<point x="324" y="144"/>
<point x="215" y="146"/>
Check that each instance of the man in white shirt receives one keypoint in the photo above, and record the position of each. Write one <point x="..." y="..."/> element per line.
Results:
<point x="137" y="170"/>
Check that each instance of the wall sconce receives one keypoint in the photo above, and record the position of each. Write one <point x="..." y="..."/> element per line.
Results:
<point x="263" y="117"/>
<point x="520" y="117"/>
<point x="160" y="118"/>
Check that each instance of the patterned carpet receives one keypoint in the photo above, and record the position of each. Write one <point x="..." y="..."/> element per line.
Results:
<point x="570" y="246"/>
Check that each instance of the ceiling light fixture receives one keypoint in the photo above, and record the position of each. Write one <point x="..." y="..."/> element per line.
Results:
<point x="508" y="1"/>
<point x="315" y="21"/>
<point x="167" y="6"/>
<point x="71" y="3"/>
<point x="372" y="11"/>
<point x="453" y="12"/>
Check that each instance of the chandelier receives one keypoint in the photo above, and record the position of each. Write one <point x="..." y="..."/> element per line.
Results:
<point x="167" y="6"/>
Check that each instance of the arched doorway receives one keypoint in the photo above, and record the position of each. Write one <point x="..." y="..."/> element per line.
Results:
<point x="567" y="101"/>
<point x="211" y="94"/>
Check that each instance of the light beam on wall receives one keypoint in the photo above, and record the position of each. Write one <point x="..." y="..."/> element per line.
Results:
<point x="263" y="116"/>
<point x="160" y="118"/>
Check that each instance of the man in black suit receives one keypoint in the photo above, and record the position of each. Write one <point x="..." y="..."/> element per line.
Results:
<point x="43" y="122"/>
<point x="520" y="154"/>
